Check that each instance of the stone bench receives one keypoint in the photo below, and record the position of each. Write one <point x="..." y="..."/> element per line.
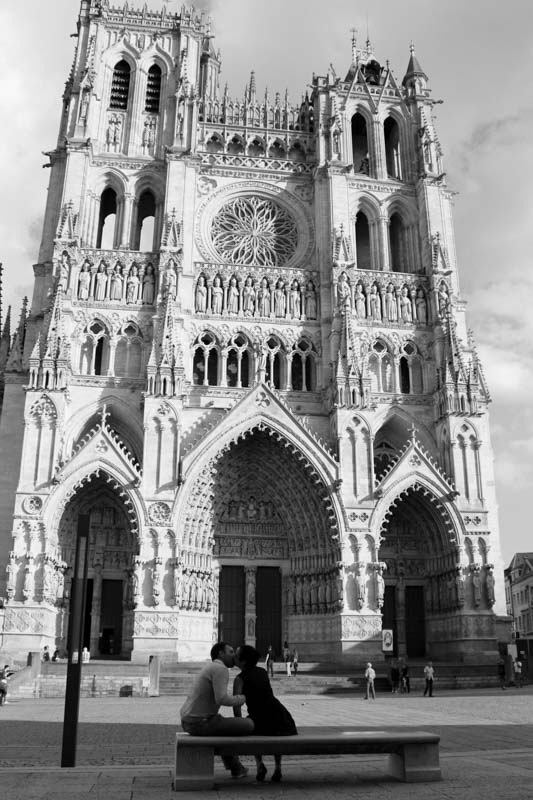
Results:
<point x="413" y="755"/>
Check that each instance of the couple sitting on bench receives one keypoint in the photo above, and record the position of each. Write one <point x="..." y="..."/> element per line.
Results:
<point x="267" y="716"/>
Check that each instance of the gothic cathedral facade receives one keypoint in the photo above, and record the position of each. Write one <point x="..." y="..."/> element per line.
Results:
<point x="246" y="359"/>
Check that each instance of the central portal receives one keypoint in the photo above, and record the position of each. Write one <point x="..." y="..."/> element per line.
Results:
<point x="250" y="606"/>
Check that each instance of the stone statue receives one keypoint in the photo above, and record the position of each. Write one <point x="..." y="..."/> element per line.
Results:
<point x="459" y="587"/>
<point x="391" y="308"/>
<point x="84" y="282"/>
<point x="101" y="284"/>
<point x="310" y="301"/>
<point x="375" y="303"/>
<point x="344" y="300"/>
<point x="443" y="299"/>
<point x="295" y="310"/>
<point x="360" y="584"/>
<point x="132" y="285"/>
<point x="248" y="298"/>
<point x="280" y="303"/>
<point x="116" y="284"/>
<point x="406" y="309"/>
<point x="217" y="295"/>
<point x="169" y="281"/>
<point x="200" y="300"/>
<point x="476" y="586"/>
<point x="420" y="304"/>
<point x="233" y="297"/>
<point x="360" y="302"/>
<point x="380" y="587"/>
<point x="148" y="286"/>
<point x="263" y="299"/>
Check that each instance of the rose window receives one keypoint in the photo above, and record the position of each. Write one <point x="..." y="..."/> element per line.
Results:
<point x="254" y="231"/>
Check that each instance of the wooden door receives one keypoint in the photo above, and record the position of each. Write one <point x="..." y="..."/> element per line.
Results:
<point x="415" y="622"/>
<point x="268" y="609"/>
<point x="111" y="618"/>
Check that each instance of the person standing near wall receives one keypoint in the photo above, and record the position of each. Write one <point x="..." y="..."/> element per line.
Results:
<point x="370" y="676"/>
<point x="429" y="675"/>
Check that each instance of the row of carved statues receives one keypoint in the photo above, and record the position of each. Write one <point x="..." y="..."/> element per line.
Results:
<point x="452" y="589"/>
<point x="314" y="593"/>
<point x="387" y="302"/>
<point x="279" y="298"/>
<point x="136" y="285"/>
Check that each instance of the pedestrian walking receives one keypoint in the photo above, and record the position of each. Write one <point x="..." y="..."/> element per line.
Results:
<point x="199" y="713"/>
<point x="269" y="661"/>
<point x="517" y="667"/>
<point x="5" y="673"/>
<point x="270" y="717"/>
<point x="370" y="676"/>
<point x="429" y="675"/>
<point x="405" y="683"/>
<point x="295" y="659"/>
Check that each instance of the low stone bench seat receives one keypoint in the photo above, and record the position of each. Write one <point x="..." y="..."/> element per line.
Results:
<point x="413" y="755"/>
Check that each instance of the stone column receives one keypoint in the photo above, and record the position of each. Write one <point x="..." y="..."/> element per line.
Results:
<point x="401" y="634"/>
<point x="250" y="609"/>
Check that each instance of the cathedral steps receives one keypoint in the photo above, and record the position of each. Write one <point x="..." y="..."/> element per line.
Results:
<point x="122" y="678"/>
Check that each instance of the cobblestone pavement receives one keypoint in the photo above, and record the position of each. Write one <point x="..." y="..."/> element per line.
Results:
<point x="125" y="749"/>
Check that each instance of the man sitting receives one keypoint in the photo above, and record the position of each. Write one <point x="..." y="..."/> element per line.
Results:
<point x="199" y="713"/>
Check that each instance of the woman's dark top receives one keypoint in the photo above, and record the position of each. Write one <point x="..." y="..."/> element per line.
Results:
<point x="270" y="717"/>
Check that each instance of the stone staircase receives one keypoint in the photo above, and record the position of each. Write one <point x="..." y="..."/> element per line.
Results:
<point x="122" y="678"/>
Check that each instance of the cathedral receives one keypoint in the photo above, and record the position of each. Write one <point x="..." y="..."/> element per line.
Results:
<point x="246" y="362"/>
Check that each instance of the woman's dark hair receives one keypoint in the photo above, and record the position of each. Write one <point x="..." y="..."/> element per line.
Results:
<point x="249" y="655"/>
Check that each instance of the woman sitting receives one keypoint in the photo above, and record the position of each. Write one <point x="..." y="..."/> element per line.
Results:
<point x="270" y="717"/>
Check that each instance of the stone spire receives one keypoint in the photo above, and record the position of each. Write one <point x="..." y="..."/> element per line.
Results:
<point x="414" y="70"/>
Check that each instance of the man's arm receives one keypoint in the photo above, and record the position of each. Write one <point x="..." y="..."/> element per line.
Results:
<point x="220" y="690"/>
<point x="237" y="689"/>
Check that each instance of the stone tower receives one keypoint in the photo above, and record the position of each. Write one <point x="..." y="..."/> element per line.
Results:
<point x="247" y="358"/>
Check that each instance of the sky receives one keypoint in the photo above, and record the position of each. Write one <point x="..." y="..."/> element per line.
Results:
<point x="478" y="55"/>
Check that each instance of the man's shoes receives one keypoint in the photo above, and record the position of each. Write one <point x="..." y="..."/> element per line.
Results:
<point x="276" y="776"/>
<point x="261" y="772"/>
<point x="239" y="772"/>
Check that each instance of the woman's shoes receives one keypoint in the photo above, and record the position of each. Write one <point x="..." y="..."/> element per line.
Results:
<point x="261" y="772"/>
<point x="276" y="776"/>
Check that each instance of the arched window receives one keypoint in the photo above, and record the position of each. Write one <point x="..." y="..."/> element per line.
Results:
<point x="153" y="90"/>
<point x="235" y="146"/>
<point x="362" y="241"/>
<point x="105" y="237"/>
<point x="238" y="362"/>
<point x="380" y="368"/>
<point x="297" y="152"/>
<point x="120" y="86"/>
<point x="144" y="228"/>
<point x="274" y="365"/>
<point x="256" y="148"/>
<point x="94" y="354"/>
<point x="359" y="144"/>
<point x="398" y="244"/>
<point x="128" y="352"/>
<point x="392" y="148"/>
<point x="205" y="361"/>
<point x="405" y="382"/>
<point x="214" y="144"/>
<point x="277" y="150"/>
<point x="303" y="367"/>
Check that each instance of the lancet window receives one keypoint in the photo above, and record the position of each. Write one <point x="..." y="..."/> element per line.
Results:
<point x="106" y="233"/>
<point x="128" y="352"/>
<point x="120" y="86"/>
<point x="94" y="354"/>
<point x="392" y="148"/>
<point x="380" y="367"/>
<point x="205" y="360"/>
<point x="399" y="251"/>
<point x="274" y="366"/>
<point x="362" y="241"/>
<point x="238" y="362"/>
<point x="303" y="367"/>
<point x="410" y="371"/>
<point x="359" y="144"/>
<point x="153" y="90"/>
<point x="145" y="223"/>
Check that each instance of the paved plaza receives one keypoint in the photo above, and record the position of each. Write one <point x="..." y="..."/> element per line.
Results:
<point x="125" y="749"/>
